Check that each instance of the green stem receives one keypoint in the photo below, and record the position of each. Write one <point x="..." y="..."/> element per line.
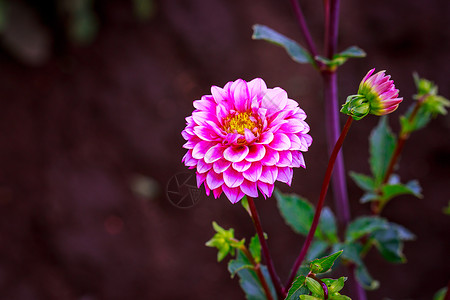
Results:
<point x="265" y="249"/>
<point x="323" y="193"/>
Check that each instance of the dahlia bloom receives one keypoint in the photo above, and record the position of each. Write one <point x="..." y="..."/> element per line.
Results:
<point x="243" y="138"/>
<point x="377" y="95"/>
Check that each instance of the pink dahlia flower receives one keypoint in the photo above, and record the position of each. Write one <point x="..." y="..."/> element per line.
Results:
<point x="376" y="95"/>
<point x="244" y="137"/>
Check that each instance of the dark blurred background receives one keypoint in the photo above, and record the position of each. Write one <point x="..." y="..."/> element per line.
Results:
<point x="93" y="100"/>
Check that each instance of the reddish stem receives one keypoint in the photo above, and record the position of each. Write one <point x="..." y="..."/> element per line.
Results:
<point x="304" y="28"/>
<point x="323" y="193"/>
<point x="265" y="249"/>
<point x="322" y="284"/>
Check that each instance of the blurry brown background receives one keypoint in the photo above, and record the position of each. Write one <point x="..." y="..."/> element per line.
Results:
<point x="93" y="100"/>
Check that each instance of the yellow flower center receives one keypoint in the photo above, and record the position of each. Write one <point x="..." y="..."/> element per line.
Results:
<point x="239" y="122"/>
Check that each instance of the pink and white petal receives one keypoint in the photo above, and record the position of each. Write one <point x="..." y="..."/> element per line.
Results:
<point x="188" y="160"/>
<point x="254" y="172"/>
<point x="298" y="160"/>
<point x="232" y="178"/>
<point x="235" y="153"/>
<point x="256" y="153"/>
<point x="280" y="142"/>
<point x="274" y="100"/>
<point x="249" y="136"/>
<point x="190" y="144"/>
<point x="200" y="178"/>
<point x="239" y="90"/>
<point x="204" y="104"/>
<point x="233" y="194"/>
<point x="219" y="94"/>
<point x="266" y="189"/>
<point x="257" y="88"/>
<point x="214" y="127"/>
<point x="214" y="154"/>
<point x="221" y="165"/>
<point x="293" y="126"/>
<point x="306" y="140"/>
<point x="368" y="75"/>
<point x="214" y="180"/>
<point x="242" y="166"/>
<point x="269" y="174"/>
<point x="203" y="167"/>
<point x="285" y="175"/>
<point x="291" y="104"/>
<point x="249" y="188"/>
<point x="285" y="159"/>
<point x="205" y="133"/>
<point x="271" y="158"/>
<point x="265" y="138"/>
<point x="296" y="143"/>
<point x="200" y="117"/>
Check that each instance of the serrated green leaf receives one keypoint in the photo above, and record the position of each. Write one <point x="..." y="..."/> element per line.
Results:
<point x="295" y="51"/>
<point x="316" y="249"/>
<point x="255" y="248"/>
<point x="235" y="266"/>
<point x="297" y="288"/>
<point x="390" y="191"/>
<point x="382" y="145"/>
<point x="389" y="244"/>
<point x="328" y="225"/>
<point x="297" y="212"/>
<point x="365" y="279"/>
<point x="364" y="225"/>
<point x="322" y="265"/>
<point x="351" y="251"/>
<point x="365" y="182"/>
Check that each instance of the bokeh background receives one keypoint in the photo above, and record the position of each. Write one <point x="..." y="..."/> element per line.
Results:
<point x="93" y="99"/>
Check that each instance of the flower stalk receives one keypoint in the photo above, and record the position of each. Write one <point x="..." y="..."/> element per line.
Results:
<point x="265" y="249"/>
<point x="323" y="193"/>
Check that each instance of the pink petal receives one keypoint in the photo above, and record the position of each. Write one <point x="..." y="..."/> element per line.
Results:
<point x="214" y="180"/>
<point x="266" y="189"/>
<point x="271" y="157"/>
<point x="254" y="172"/>
<point x="285" y="175"/>
<point x="200" y="117"/>
<point x="235" y="154"/>
<point x="221" y="165"/>
<point x="219" y="94"/>
<point x="198" y="152"/>
<point x="242" y="165"/>
<point x="266" y="138"/>
<point x="256" y="153"/>
<point x="296" y="143"/>
<point x="368" y="75"/>
<point x="285" y="159"/>
<point x="205" y="133"/>
<point x="233" y="194"/>
<point x="298" y="160"/>
<point x="293" y="126"/>
<point x="200" y="179"/>
<point x="274" y="100"/>
<point x="269" y="174"/>
<point x="217" y="192"/>
<point x="214" y="154"/>
<point x="188" y="160"/>
<point x="204" y="104"/>
<point x="202" y="167"/>
<point x="240" y="94"/>
<point x="257" y="88"/>
<point x="249" y="136"/>
<point x="280" y="142"/>
<point x="249" y="188"/>
<point x="232" y="178"/>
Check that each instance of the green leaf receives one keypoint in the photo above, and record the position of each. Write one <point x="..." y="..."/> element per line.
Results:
<point x="369" y="197"/>
<point x="314" y="287"/>
<point x="316" y="249"/>
<point x="440" y="295"/>
<point x="339" y="297"/>
<point x="328" y="225"/>
<point x="249" y="281"/>
<point x="388" y="242"/>
<point x="308" y="297"/>
<point x="402" y="233"/>
<point x="365" y="279"/>
<point x="446" y="210"/>
<point x="365" y="182"/>
<point x="352" y="51"/>
<point x="382" y="145"/>
<point x="337" y="285"/>
<point x="296" y="211"/>
<point x="297" y="288"/>
<point x="340" y="58"/>
<point x="322" y="265"/>
<point x="364" y="225"/>
<point x="295" y="51"/>
<point x="255" y="248"/>
<point x="390" y="191"/>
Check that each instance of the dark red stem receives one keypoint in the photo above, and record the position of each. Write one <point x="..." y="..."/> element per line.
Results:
<point x="265" y="249"/>
<point x="322" y="284"/>
<point x="304" y="28"/>
<point x="323" y="193"/>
